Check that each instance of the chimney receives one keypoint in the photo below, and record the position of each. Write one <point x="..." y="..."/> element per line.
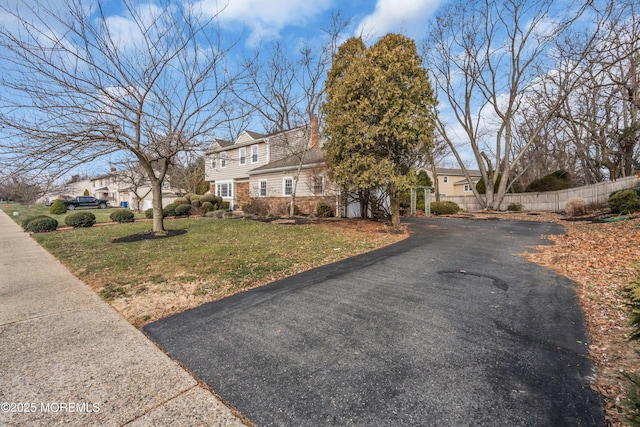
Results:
<point x="113" y="170"/>
<point x="315" y="132"/>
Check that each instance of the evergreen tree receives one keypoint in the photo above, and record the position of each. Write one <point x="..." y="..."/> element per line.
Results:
<point x="378" y="116"/>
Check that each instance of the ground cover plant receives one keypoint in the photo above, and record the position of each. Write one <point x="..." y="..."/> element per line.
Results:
<point x="205" y="259"/>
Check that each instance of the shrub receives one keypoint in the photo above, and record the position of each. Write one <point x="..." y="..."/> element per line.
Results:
<point x="181" y="201"/>
<point x="57" y="208"/>
<point x="625" y="201"/>
<point x="225" y="206"/>
<point x="195" y="203"/>
<point x="169" y="210"/>
<point x="190" y="196"/>
<point x="183" y="210"/>
<point x="324" y="211"/>
<point x="26" y="221"/>
<point x="123" y="215"/>
<point x="558" y="180"/>
<point x="148" y="213"/>
<point x="514" y="207"/>
<point x="208" y="198"/>
<point x="444" y="208"/>
<point x="208" y="207"/>
<point x="80" y="219"/>
<point x="576" y="206"/>
<point x="256" y="206"/>
<point x="39" y="224"/>
<point x="637" y="190"/>
<point x="42" y="225"/>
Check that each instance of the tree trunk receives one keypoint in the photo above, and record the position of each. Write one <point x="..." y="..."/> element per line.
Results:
<point x="394" y="203"/>
<point x="158" y="216"/>
<point x="436" y="185"/>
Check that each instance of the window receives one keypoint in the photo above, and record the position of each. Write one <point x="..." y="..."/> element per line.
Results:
<point x="467" y="188"/>
<point x="445" y="179"/>
<point x="223" y="160"/>
<point x="243" y="156"/>
<point x="263" y="188"/>
<point x="317" y="183"/>
<point x="254" y="154"/>
<point x="287" y="189"/>
<point x="224" y="190"/>
<point x="214" y="160"/>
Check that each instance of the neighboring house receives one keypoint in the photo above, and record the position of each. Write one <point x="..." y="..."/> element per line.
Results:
<point x="130" y="189"/>
<point x="452" y="182"/>
<point x="266" y="166"/>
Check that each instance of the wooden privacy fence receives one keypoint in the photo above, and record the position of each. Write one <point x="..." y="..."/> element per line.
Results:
<point x="552" y="200"/>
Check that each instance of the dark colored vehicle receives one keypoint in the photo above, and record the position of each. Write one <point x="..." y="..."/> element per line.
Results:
<point x="86" y="202"/>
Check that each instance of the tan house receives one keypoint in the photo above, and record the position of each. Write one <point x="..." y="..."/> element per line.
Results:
<point x="452" y="182"/>
<point x="271" y="167"/>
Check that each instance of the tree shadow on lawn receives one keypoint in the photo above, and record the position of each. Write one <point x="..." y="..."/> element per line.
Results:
<point x="148" y="235"/>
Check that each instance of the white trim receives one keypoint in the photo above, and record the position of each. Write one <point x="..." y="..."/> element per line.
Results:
<point x="255" y="147"/>
<point x="223" y="160"/>
<point x="284" y="185"/>
<point x="229" y="189"/>
<point x="313" y="184"/>
<point x="260" y="188"/>
<point x="242" y="157"/>
<point x="214" y="162"/>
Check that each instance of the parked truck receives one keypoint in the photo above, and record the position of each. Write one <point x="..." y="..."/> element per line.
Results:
<point x="85" y="202"/>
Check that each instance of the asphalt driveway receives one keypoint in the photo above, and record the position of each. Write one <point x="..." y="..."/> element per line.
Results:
<point x="447" y="328"/>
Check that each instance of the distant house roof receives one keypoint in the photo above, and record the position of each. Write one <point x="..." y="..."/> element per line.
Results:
<point x="457" y="172"/>
<point x="255" y="135"/>
<point x="314" y="156"/>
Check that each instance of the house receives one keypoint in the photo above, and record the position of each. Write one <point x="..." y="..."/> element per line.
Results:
<point x="271" y="167"/>
<point x="452" y="182"/>
<point x="129" y="188"/>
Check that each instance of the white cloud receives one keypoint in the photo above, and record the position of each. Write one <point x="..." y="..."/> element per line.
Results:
<point x="264" y="19"/>
<point x="408" y="17"/>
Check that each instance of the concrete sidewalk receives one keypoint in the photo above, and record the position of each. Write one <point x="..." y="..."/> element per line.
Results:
<point x="67" y="358"/>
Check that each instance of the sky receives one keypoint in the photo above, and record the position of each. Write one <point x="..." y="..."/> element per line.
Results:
<point x="285" y="19"/>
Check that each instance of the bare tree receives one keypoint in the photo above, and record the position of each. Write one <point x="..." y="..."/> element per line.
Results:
<point x="25" y="189"/>
<point x="187" y="175"/>
<point x="78" y="85"/>
<point x="132" y="178"/>
<point x="485" y="56"/>
<point x="603" y="113"/>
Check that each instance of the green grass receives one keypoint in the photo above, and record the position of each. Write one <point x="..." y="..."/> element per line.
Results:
<point x="102" y="215"/>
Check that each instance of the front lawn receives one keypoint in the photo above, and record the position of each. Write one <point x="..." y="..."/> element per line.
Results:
<point x="150" y="279"/>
